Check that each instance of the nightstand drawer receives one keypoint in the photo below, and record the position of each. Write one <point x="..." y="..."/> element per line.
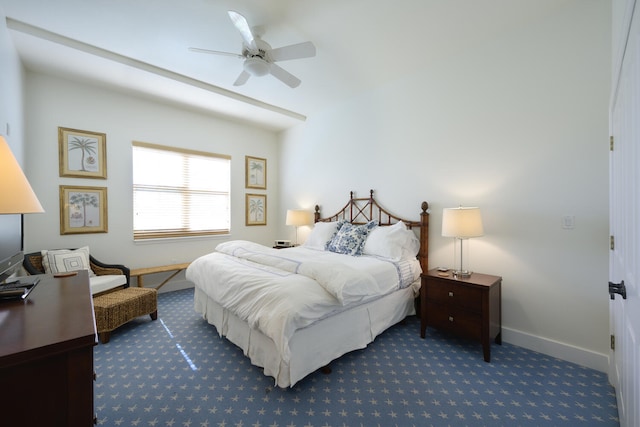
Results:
<point x="461" y="296"/>
<point x="460" y="322"/>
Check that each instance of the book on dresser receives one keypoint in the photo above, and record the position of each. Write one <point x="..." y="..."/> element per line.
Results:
<point x="18" y="287"/>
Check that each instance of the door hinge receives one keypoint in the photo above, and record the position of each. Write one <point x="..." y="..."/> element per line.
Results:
<point x="613" y="342"/>
<point x="612" y="243"/>
<point x="611" y="143"/>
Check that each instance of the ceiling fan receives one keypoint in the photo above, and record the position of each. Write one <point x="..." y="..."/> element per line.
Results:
<point x="259" y="58"/>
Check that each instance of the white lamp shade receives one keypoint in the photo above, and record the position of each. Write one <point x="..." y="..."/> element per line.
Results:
<point x="462" y="222"/>
<point x="299" y="217"/>
<point x="16" y="194"/>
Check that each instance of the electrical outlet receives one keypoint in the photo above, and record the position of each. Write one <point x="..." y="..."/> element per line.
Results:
<point x="568" y="222"/>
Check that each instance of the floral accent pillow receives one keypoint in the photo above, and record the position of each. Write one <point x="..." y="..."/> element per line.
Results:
<point x="339" y="225"/>
<point x="350" y="239"/>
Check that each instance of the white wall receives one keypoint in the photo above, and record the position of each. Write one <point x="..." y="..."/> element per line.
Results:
<point x="11" y="102"/>
<point x="52" y="102"/>
<point x="517" y="127"/>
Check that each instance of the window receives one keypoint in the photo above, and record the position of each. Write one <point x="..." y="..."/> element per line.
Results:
<point x="178" y="192"/>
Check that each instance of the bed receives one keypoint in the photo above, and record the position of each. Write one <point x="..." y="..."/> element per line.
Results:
<point x="292" y="311"/>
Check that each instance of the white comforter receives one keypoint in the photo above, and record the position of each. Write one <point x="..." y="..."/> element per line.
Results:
<point x="280" y="291"/>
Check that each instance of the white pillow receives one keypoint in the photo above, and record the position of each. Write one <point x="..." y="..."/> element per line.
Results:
<point x="64" y="260"/>
<point x="394" y="242"/>
<point x="320" y="235"/>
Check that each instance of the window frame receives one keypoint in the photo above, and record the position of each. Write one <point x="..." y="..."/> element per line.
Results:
<point x="142" y="235"/>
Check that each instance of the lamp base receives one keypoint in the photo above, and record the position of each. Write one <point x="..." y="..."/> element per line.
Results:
<point x="462" y="274"/>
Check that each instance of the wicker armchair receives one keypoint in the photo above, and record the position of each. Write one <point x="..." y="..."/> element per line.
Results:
<point x="114" y="303"/>
<point x="33" y="265"/>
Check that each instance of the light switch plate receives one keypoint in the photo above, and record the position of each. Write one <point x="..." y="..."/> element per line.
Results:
<point x="568" y="222"/>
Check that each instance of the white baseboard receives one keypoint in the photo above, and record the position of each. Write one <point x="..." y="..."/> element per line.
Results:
<point x="175" y="285"/>
<point x="580" y="356"/>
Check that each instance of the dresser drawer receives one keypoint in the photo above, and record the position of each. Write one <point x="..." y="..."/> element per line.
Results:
<point x="457" y="321"/>
<point x="445" y="292"/>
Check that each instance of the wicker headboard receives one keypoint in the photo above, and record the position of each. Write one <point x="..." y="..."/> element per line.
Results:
<point x="365" y="209"/>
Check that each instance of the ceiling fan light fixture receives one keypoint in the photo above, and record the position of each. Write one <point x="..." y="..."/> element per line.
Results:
<point x="259" y="58"/>
<point x="256" y="66"/>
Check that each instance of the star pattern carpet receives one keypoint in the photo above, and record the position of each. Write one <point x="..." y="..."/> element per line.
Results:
<point x="177" y="371"/>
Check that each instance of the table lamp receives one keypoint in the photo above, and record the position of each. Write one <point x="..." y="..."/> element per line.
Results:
<point x="17" y="196"/>
<point x="462" y="223"/>
<point x="298" y="218"/>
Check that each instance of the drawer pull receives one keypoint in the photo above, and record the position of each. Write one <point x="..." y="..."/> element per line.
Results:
<point x="450" y="318"/>
<point x="450" y="294"/>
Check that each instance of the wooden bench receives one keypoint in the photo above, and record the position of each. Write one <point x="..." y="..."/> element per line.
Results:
<point x="139" y="273"/>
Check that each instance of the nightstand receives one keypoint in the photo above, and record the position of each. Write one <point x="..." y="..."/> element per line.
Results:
<point x="468" y="307"/>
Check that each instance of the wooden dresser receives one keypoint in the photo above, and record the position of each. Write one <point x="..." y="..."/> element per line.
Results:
<point x="46" y="355"/>
<point x="468" y="307"/>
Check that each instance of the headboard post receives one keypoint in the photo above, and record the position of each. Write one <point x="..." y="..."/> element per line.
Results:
<point x="423" y="255"/>
<point x="371" y="203"/>
<point x="351" y="206"/>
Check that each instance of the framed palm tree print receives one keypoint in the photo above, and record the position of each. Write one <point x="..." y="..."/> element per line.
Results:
<point x="82" y="154"/>
<point x="255" y="209"/>
<point x="83" y="209"/>
<point x="256" y="172"/>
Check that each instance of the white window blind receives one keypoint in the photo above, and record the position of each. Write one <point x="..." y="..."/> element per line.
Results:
<point x="178" y="192"/>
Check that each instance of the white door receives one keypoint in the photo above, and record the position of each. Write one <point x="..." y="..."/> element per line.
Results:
<point x="624" y="263"/>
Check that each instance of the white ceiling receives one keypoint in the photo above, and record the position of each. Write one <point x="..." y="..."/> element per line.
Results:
<point x="142" y="46"/>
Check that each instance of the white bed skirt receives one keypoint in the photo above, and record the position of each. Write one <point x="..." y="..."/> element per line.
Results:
<point x="316" y="345"/>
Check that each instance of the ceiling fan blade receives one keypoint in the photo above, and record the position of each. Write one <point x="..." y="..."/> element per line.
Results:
<point x="245" y="31"/>
<point x="215" y="52"/>
<point x="284" y="76"/>
<point x="242" y="78"/>
<point x="294" y="51"/>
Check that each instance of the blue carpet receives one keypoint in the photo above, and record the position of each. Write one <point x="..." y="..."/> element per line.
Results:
<point x="177" y="371"/>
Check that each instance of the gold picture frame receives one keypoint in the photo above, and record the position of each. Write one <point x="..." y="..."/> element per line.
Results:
<point x="82" y="154"/>
<point x="83" y="209"/>
<point x="255" y="209"/>
<point x="255" y="172"/>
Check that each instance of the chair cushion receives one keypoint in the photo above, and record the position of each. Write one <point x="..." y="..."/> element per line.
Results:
<point x="104" y="283"/>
